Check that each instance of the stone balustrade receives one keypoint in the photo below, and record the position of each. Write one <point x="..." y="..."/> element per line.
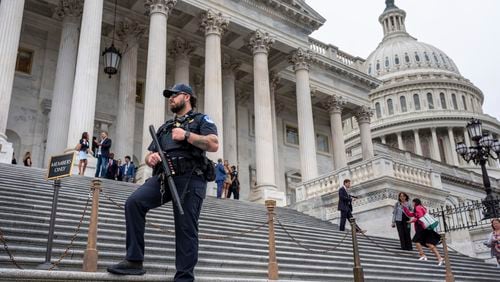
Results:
<point x="333" y="52"/>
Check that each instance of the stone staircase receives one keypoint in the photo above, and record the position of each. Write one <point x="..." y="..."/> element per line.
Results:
<point x="227" y="252"/>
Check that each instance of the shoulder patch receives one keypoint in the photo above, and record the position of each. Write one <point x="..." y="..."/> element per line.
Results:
<point x="207" y="119"/>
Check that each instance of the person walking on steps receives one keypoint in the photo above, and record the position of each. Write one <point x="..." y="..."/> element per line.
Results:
<point x="185" y="139"/>
<point x="345" y="206"/>
<point x="400" y="220"/>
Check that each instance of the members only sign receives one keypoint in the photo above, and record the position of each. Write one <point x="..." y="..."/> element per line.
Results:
<point x="60" y="166"/>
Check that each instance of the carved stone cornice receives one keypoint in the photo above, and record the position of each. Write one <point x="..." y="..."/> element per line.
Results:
<point x="181" y="47"/>
<point x="230" y="65"/>
<point x="213" y="22"/>
<point x="260" y="42"/>
<point x="128" y="30"/>
<point x="68" y="8"/>
<point x="335" y="104"/>
<point x="274" y="81"/>
<point x="300" y="59"/>
<point x="159" y="6"/>
<point x="363" y="114"/>
<point x="242" y="97"/>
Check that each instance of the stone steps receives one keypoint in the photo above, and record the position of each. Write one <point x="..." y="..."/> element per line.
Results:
<point x="25" y="205"/>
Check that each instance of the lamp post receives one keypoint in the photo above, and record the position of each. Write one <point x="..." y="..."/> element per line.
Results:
<point x="112" y="56"/>
<point x="485" y="147"/>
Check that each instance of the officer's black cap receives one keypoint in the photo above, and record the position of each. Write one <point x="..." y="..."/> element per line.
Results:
<point x="180" y="87"/>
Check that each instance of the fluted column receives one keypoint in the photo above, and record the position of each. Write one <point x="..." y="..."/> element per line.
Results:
<point x="335" y="105"/>
<point x="363" y="116"/>
<point x="214" y="24"/>
<point x="198" y="88"/>
<point x="181" y="50"/>
<point x="274" y="83"/>
<point x="382" y="139"/>
<point x="401" y="145"/>
<point x="57" y="137"/>
<point x="86" y="73"/>
<point x="454" y="155"/>
<point x="435" y="145"/>
<point x="307" y="139"/>
<point x="129" y="33"/>
<point x="261" y="42"/>
<point x="229" y="108"/>
<point x="11" y="18"/>
<point x="418" y="146"/>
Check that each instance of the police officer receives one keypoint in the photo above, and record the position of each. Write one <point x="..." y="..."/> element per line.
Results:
<point x="184" y="139"/>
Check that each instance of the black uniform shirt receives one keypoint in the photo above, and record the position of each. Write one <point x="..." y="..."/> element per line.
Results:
<point x="197" y="123"/>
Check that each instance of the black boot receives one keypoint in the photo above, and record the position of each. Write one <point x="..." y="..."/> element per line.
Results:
<point x="127" y="267"/>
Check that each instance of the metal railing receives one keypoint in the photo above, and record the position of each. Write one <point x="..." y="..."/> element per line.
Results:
<point x="464" y="215"/>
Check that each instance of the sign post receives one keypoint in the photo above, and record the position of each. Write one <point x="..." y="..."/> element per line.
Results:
<point x="59" y="167"/>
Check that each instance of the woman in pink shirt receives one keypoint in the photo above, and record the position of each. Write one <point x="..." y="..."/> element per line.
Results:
<point x="427" y="237"/>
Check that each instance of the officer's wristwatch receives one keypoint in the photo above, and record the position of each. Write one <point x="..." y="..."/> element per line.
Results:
<point x="186" y="135"/>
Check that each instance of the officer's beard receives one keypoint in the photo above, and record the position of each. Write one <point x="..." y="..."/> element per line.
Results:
<point x="175" y="108"/>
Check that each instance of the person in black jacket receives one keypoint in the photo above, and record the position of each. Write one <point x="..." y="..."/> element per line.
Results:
<point x="345" y="205"/>
<point x="102" y="155"/>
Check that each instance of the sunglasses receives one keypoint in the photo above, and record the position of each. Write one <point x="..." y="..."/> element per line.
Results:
<point x="177" y="94"/>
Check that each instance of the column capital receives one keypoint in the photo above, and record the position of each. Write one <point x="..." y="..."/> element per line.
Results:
<point x="335" y="104"/>
<point x="159" y="6"/>
<point x="129" y="30"/>
<point x="213" y="22"/>
<point x="274" y="80"/>
<point x="68" y="8"/>
<point x="363" y="114"/>
<point x="230" y="65"/>
<point x="260" y="42"/>
<point x="300" y="59"/>
<point x="181" y="47"/>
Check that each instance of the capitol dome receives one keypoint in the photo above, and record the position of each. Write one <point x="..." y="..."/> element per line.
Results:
<point x="399" y="53"/>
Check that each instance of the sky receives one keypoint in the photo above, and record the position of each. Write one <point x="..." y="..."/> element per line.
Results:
<point x="467" y="31"/>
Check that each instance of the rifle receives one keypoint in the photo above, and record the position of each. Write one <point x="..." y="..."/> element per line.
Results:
<point x="166" y="169"/>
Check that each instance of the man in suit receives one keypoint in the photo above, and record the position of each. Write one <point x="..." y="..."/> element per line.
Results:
<point x="345" y="205"/>
<point x="128" y="170"/>
<point x="102" y="155"/>
<point x="220" y="176"/>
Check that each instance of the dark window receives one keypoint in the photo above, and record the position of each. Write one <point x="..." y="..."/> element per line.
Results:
<point x="417" y="58"/>
<point x="442" y="98"/>
<point x="416" y="101"/>
<point x="435" y="58"/>
<point x="463" y="101"/>
<point x="390" y="107"/>
<point x="292" y="135"/>
<point x="378" y="65"/>
<point x="454" y="101"/>
<point x="24" y="60"/>
<point x="407" y="58"/>
<point x="402" y="101"/>
<point x="370" y="69"/>
<point x="386" y="62"/>
<point x="396" y="60"/>
<point x="139" y="92"/>
<point x="378" y="111"/>
<point x="322" y="143"/>
<point x="426" y="56"/>
<point x="430" y="101"/>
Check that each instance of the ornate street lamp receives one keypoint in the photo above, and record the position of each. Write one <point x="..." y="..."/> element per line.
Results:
<point x="485" y="147"/>
<point x="112" y="56"/>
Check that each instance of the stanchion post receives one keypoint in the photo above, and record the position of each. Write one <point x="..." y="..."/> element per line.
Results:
<point x="449" y="273"/>
<point x="272" y="270"/>
<point x="50" y="238"/>
<point x="90" y="255"/>
<point x="357" y="269"/>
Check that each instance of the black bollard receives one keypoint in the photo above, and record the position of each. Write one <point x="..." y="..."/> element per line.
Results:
<point x="47" y="264"/>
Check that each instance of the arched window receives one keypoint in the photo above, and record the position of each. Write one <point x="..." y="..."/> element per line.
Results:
<point x="390" y="107"/>
<point x="443" y="101"/>
<point x="426" y="57"/>
<point x="430" y="101"/>
<point x="396" y="59"/>
<point x="370" y="69"/>
<point x="402" y="102"/>
<point x="407" y="58"/>
<point x="378" y="111"/>
<point x="417" y="58"/>
<point x="454" y="101"/>
<point x="435" y="58"/>
<point x="463" y="102"/>
<point x="416" y="101"/>
<point x="378" y="65"/>
<point x="386" y="62"/>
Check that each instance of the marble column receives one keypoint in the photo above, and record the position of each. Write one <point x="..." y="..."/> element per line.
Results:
<point x="11" y="19"/>
<point x="382" y="139"/>
<point x="363" y="116"/>
<point x="181" y="50"/>
<point x="86" y="73"/>
<point x="401" y="145"/>
<point x="214" y="25"/>
<point x="307" y="139"/>
<point x="129" y="33"/>
<point x="418" y="146"/>
<point x="198" y="88"/>
<point x="435" y="145"/>
<point x="274" y="84"/>
<point x="261" y="42"/>
<point x="335" y="105"/>
<point x="229" y="68"/>
<point x="57" y="137"/>
<point x="454" y="155"/>
<point x="466" y="137"/>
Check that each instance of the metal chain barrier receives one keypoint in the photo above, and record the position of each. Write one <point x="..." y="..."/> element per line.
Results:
<point x="77" y="230"/>
<point x="12" y="259"/>
<point x="309" y="249"/>
<point x="376" y="244"/>
<point x="214" y="237"/>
